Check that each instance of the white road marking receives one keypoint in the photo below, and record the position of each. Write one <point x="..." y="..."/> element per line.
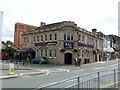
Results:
<point x="44" y="74"/>
<point x="99" y="68"/>
<point x="26" y="76"/>
<point x="107" y="66"/>
<point x="114" y="65"/>
<point x="82" y="70"/>
<point x="53" y="71"/>
<point x="68" y="70"/>
<point x="71" y="80"/>
<point x="21" y="74"/>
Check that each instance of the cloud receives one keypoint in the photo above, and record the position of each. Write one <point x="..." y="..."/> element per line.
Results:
<point x="7" y="34"/>
<point x="100" y="14"/>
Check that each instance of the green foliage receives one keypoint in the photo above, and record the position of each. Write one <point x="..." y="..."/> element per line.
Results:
<point x="9" y="49"/>
<point x="10" y="44"/>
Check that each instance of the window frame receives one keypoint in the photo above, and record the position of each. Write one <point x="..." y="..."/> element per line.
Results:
<point x="55" y="36"/>
<point x="68" y="36"/>
<point x="50" y="37"/>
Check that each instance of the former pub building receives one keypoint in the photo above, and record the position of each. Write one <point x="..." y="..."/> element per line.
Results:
<point x="61" y="42"/>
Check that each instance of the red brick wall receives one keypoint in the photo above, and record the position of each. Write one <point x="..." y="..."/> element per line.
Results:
<point x="2" y="55"/>
<point x="19" y="29"/>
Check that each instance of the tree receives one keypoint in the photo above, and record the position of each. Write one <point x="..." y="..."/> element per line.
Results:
<point x="9" y="49"/>
<point x="10" y="44"/>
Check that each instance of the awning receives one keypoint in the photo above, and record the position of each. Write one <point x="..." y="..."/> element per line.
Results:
<point x="108" y="49"/>
<point x="25" y="50"/>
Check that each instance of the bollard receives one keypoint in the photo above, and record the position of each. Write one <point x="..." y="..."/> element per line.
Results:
<point x="114" y="78"/>
<point x="98" y="81"/>
<point x="78" y="81"/>
<point x="17" y="64"/>
<point x="23" y="62"/>
<point x="0" y="67"/>
<point x="3" y="63"/>
<point x="11" y="68"/>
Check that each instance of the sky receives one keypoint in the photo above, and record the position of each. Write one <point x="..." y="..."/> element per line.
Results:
<point x="89" y="14"/>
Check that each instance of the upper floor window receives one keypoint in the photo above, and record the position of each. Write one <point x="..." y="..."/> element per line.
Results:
<point x="55" y="36"/>
<point x="50" y="53"/>
<point x="41" y="37"/>
<point x="37" y="38"/>
<point x="83" y="38"/>
<point x="71" y="36"/>
<point x="96" y="44"/>
<point x="68" y="36"/>
<point x="79" y="37"/>
<point x="34" y="38"/>
<point x="45" y="37"/>
<point x="27" y="39"/>
<point x="50" y="36"/>
<point x="24" y="39"/>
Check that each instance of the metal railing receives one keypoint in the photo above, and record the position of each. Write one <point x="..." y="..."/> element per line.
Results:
<point x="17" y="63"/>
<point x="102" y="79"/>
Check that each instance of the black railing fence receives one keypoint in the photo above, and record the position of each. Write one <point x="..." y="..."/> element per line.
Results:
<point x="97" y="81"/>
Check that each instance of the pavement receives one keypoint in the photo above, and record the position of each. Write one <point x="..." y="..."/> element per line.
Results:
<point x="20" y="71"/>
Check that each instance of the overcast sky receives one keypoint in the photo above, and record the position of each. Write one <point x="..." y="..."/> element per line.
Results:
<point x="99" y="14"/>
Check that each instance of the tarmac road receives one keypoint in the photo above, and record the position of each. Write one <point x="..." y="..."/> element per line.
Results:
<point x="64" y="72"/>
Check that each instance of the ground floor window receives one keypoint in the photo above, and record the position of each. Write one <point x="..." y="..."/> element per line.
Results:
<point x="55" y="53"/>
<point x="82" y="53"/>
<point x="45" y="52"/>
<point x="41" y="52"/>
<point x="37" y="53"/>
<point x="50" y="53"/>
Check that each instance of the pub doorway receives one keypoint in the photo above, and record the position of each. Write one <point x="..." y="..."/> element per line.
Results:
<point x="68" y="58"/>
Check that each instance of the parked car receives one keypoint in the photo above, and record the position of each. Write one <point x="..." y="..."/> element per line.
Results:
<point x="39" y="60"/>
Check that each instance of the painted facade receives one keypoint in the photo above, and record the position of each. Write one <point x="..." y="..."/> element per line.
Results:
<point x="63" y="41"/>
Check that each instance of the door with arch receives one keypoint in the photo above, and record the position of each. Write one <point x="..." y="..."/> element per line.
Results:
<point x="68" y="58"/>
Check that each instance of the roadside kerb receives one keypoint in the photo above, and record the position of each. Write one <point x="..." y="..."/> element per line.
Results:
<point x="21" y="75"/>
<point x="18" y="68"/>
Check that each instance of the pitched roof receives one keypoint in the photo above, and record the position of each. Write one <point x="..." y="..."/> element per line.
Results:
<point x="49" y="25"/>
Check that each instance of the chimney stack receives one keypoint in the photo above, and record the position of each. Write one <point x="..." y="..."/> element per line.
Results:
<point x="94" y="30"/>
<point x="42" y="24"/>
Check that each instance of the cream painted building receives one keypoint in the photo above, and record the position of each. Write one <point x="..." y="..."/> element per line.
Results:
<point x="63" y="41"/>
